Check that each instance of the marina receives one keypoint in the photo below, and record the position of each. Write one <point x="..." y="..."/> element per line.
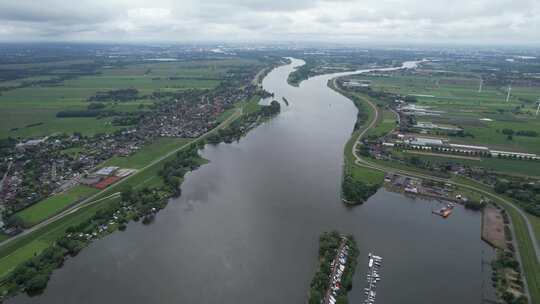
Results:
<point x="338" y="268"/>
<point x="373" y="277"/>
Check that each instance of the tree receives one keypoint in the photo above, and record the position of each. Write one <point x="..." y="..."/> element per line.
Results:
<point x="508" y="132"/>
<point x="37" y="283"/>
<point x="501" y="186"/>
<point x="127" y="194"/>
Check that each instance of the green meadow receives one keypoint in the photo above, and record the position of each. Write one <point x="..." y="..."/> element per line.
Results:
<point x="48" y="207"/>
<point x="147" y="153"/>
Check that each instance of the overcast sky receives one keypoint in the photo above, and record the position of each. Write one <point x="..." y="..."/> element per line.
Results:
<point x="440" y="21"/>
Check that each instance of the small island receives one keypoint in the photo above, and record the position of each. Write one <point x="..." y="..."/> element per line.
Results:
<point x="338" y="255"/>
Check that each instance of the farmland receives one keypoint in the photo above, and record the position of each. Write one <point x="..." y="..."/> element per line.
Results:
<point x="484" y="115"/>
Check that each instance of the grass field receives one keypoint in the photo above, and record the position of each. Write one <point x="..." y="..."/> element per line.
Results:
<point x="367" y="175"/>
<point x="53" y="205"/>
<point x="385" y="124"/>
<point x="147" y="154"/>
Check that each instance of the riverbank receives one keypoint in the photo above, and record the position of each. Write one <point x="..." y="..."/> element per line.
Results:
<point x="338" y="256"/>
<point x="133" y="204"/>
<point x="493" y="228"/>
<point x="358" y="183"/>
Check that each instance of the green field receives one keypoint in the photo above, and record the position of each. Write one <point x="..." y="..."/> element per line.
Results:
<point x="251" y="106"/>
<point x="147" y="154"/>
<point x="53" y="205"/>
<point x="385" y="124"/>
<point x="367" y="175"/>
<point x="462" y="105"/>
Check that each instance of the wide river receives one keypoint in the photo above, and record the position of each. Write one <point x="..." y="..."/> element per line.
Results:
<point x="246" y="227"/>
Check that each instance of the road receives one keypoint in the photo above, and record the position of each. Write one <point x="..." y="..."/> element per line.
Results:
<point x="365" y="163"/>
<point x="94" y="198"/>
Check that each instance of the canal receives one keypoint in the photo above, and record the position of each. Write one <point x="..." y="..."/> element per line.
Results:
<point x="246" y="227"/>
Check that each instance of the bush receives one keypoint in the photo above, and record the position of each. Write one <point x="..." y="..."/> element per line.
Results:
<point x="357" y="191"/>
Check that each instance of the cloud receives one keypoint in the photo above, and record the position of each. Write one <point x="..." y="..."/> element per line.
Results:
<point x="507" y="21"/>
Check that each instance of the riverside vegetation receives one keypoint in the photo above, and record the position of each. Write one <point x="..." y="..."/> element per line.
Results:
<point x="329" y="243"/>
<point x="143" y="204"/>
<point x="248" y="121"/>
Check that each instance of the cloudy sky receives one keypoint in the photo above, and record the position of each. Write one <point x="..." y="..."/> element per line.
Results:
<point x="438" y="21"/>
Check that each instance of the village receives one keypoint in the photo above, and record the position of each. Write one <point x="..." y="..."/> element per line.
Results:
<point x="41" y="167"/>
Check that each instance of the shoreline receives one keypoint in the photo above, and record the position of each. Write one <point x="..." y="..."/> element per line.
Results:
<point x="161" y="200"/>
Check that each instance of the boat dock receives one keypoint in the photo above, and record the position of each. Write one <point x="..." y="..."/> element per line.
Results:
<point x="373" y="276"/>
<point x="444" y="211"/>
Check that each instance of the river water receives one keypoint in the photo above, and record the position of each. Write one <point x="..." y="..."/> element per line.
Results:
<point x="246" y="227"/>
